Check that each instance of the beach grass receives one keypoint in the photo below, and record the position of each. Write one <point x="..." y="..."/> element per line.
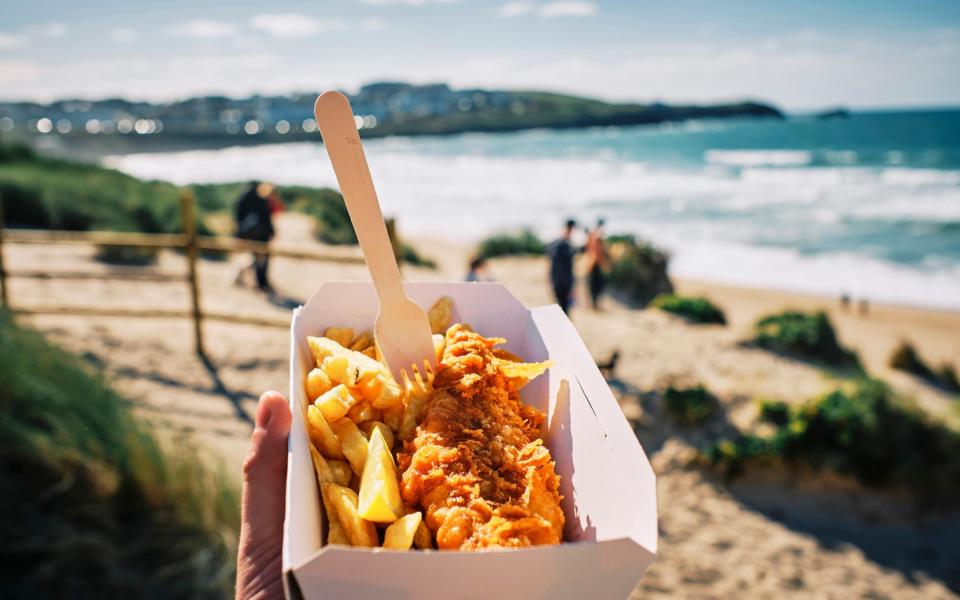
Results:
<point x="863" y="430"/>
<point x="689" y="406"/>
<point x="93" y="505"/>
<point x="805" y="335"/>
<point x="638" y="270"/>
<point x="521" y="243"/>
<point x="906" y="358"/>
<point x="695" y="309"/>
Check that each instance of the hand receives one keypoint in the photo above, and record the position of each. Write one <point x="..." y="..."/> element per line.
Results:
<point x="259" y="572"/>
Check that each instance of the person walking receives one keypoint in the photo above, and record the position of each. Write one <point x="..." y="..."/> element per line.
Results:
<point x="253" y="213"/>
<point x="561" y="253"/>
<point x="477" y="270"/>
<point x="597" y="263"/>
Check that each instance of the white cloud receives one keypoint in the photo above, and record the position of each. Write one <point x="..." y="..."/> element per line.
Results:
<point x="568" y="8"/>
<point x="292" y="25"/>
<point x="123" y="36"/>
<point x="547" y="10"/>
<point x="12" y="40"/>
<point x="48" y="30"/>
<point x="372" y="24"/>
<point x="517" y="9"/>
<point x="202" y="28"/>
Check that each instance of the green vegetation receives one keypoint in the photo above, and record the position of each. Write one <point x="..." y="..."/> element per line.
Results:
<point x="527" y="110"/>
<point x="639" y="270"/>
<point x="906" y="358"/>
<point x="693" y="309"/>
<point x="863" y="431"/>
<point x="809" y="336"/>
<point x="45" y="193"/>
<point x="327" y="207"/>
<point x="92" y="505"/>
<point x="523" y="243"/>
<point x="689" y="406"/>
<point x="126" y="255"/>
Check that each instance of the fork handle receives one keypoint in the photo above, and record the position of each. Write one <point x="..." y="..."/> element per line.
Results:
<point x="342" y="141"/>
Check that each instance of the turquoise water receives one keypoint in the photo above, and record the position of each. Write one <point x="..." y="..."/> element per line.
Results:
<point x="868" y="206"/>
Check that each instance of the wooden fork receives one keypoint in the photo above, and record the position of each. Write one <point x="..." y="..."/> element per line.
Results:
<point x="402" y="328"/>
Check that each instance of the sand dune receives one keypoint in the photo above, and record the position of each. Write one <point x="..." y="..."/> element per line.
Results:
<point x="751" y="539"/>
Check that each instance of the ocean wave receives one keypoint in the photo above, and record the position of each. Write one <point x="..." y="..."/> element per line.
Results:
<point x="720" y="221"/>
<point x="758" y="158"/>
<point x="832" y="274"/>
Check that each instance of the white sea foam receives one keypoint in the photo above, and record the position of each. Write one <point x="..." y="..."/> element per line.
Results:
<point x="759" y="158"/>
<point x="718" y="220"/>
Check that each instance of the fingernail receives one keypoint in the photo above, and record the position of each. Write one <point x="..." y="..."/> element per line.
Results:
<point x="264" y="413"/>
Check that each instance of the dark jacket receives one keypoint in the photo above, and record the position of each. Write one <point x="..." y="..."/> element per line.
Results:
<point x="561" y="253"/>
<point x="252" y="215"/>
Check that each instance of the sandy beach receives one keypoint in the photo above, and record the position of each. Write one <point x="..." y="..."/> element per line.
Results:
<point x="756" y="539"/>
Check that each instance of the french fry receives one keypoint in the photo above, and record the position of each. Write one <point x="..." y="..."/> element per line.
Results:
<point x="321" y="434"/>
<point x="441" y="314"/>
<point x="318" y="382"/>
<point x="341" y="335"/>
<point x="370" y="390"/>
<point x="368" y="427"/>
<point x="335" y="403"/>
<point x="320" y="465"/>
<point x="335" y="532"/>
<point x="399" y="535"/>
<point x="344" y="501"/>
<point x="371" y="352"/>
<point x="416" y="396"/>
<point x="379" y="498"/>
<point x="362" y="412"/>
<point x="439" y="342"/>
<point x="352" y="443"/>
<point x="392" y="416"/>
<point x="363" y="341"/>
<point x="359" y="368"/>
<point x="342" y="472"/>
<point x="390" y="393"/>
<point x="338" y="369"/>
<point x="422" y="538"/>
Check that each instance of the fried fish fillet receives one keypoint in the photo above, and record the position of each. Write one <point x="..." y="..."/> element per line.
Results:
<point x="476" y="465"/>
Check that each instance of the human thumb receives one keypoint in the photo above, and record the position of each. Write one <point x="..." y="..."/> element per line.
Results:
<point x="264" y="491"/>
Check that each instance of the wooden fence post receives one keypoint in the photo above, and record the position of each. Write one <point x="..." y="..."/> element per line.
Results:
<point x="4" y="295"/>
<point x="190" y="245"/>
<point x="395" y="241"/>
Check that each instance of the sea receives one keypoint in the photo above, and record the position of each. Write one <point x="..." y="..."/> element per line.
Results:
<point x="866" y="206"/>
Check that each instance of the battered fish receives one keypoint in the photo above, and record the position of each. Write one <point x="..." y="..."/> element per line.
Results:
<point x="477" y="465"/>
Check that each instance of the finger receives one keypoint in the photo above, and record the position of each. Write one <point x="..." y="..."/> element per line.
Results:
<point x="264" y="491"/>
<point x="264" y="472"/>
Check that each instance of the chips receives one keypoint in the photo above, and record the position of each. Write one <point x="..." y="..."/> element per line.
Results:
<point x="400" y="535"/>
<point x="441" y="314"/>
<point x="358" y="418"/>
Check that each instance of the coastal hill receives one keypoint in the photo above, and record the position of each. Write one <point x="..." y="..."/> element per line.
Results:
<point x="384" y="108"/>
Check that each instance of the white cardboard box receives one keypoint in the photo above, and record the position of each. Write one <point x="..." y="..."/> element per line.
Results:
<point x="608" y="485"/>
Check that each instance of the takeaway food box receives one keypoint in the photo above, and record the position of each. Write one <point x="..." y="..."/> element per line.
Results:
<point x="608" y="485"/>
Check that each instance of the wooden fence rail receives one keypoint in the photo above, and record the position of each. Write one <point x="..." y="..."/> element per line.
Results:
<point x="189" y="242"/>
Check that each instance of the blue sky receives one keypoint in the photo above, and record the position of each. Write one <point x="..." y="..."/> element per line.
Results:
<point x="798" y="55"/>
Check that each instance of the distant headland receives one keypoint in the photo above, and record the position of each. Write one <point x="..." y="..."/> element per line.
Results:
<point x="382" y="108"/>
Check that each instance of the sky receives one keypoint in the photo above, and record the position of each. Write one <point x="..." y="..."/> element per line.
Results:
<point x="797" y="55"/>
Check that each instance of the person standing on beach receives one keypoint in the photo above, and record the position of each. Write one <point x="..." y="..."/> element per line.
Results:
<point x="477" y="270"/>
<point x="254" y="218"/>
<point x="561" y="253"/>
<point x="597" y="262"/>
